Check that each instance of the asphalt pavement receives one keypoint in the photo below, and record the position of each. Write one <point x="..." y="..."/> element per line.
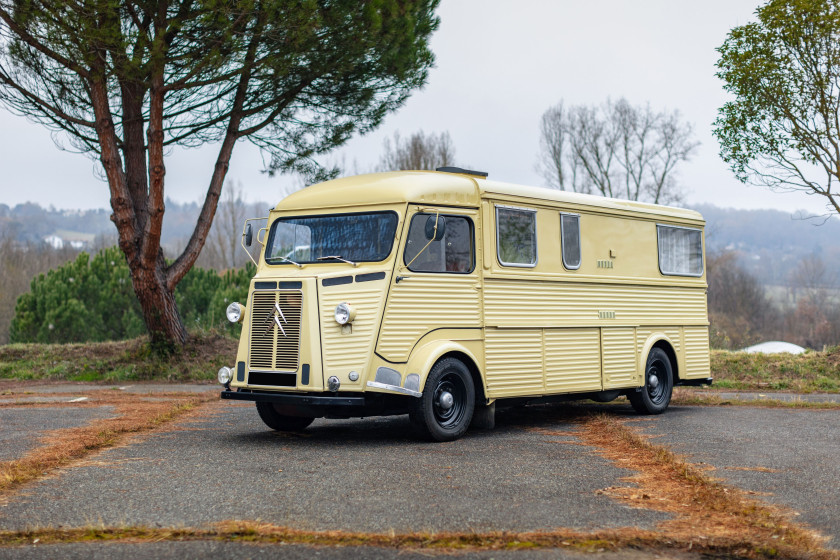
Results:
<point x="531" y="473"/>
<point x="788" y="456"/>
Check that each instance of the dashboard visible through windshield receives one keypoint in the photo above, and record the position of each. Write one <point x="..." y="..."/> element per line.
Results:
<point x="357" y="237"/>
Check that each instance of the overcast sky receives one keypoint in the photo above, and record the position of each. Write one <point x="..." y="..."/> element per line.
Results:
<point x="500" y="65"/>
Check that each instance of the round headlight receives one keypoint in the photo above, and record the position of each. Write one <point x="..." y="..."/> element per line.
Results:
<point x="225" y="375"/>
<point x="234" y="312"/>
<point x="344" y="313"/>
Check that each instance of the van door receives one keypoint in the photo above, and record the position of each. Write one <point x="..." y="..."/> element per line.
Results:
<point x="436" y="283"/>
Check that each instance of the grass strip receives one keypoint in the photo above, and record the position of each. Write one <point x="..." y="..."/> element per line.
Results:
<point x="127" y="360"/>
<point x="264" y="533"/>
<point x="692" y="397"/>
<point x="811" y="372"/>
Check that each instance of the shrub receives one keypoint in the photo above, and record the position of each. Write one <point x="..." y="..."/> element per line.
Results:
<point x="92" y="300"/>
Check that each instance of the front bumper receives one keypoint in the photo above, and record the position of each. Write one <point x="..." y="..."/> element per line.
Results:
<point x="320" y="405"/>
<point x="294" y="400"/>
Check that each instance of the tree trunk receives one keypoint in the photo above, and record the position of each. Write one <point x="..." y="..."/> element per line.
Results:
<point x="157" y="303"/>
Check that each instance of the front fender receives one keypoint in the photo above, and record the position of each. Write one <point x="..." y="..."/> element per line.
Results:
<point x="424" y="357"/>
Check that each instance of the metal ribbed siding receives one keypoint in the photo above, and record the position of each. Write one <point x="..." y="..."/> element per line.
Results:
<point x="572" y="360"/>
<point x="673" y="334"/>
<point x="270" y="350"/>
<point x="696" y="352"/>
<point x="421" y="303"/>
<point x="557" y="304"/>
<point x="514" y="362"/>
<point x="619" y="357"/>
<point x="352" y="351"/>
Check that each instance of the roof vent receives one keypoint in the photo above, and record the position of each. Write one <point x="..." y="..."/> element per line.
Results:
<point x="462" y="171"/>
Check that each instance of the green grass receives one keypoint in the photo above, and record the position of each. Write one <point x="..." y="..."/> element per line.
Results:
<point x="200" y="359"/>
<point x="128" y="360"/>
<point x="804" y="373"/>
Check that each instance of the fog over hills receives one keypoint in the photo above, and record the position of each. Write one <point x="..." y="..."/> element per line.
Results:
<point x="769" y="243"/>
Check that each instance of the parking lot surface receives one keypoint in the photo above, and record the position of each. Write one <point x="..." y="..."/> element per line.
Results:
<point x="534" y="472"/>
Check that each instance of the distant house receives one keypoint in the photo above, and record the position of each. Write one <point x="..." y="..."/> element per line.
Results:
<point x="74" y="239"/>
<point x="54" y="241"/>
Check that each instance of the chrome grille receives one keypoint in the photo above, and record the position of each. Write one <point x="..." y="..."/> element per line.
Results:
<point x="275" y="330"/>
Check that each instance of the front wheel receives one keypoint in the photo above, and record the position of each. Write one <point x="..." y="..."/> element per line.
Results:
<point x="444" y="411"/>
<point x="281" y="422"/>
<point x="659" y="382"/>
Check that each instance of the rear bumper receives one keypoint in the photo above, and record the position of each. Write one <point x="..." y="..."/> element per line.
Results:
<point x="695" y="382"/>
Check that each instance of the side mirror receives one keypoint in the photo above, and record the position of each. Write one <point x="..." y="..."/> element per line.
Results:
<point x="249" y="234"/>
<point x="430" y="232"/>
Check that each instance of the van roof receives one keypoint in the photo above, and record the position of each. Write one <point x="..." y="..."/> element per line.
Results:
<point x="452" y="189"/>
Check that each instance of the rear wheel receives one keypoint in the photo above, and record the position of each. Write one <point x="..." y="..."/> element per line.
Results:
<point x="659" y="383"/>
<point x="444" y="411"/>
<point x="281" y="422"/>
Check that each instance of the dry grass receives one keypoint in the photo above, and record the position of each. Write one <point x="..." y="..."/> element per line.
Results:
<point x="710" y="515"/>
<point x="704" y="397"/>
<point x="61" y="448"/>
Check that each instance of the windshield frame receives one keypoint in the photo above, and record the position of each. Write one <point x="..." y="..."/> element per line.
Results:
<point x="279" y="262"/>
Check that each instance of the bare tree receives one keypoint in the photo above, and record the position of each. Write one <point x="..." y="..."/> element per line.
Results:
<point x="223" y="242"/>
<point x="418" y="151"/>
<point x="19" y="264"/>
<point x="811" y="280"/>
<point x="616" y="150"/>
<point x="739" y="310"/>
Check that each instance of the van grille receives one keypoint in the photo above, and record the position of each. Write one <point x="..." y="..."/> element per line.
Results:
<point x="275" y="347"/>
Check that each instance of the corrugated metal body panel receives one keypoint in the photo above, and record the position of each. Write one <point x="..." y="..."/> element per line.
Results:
<point x="514" y="362"/>
<point x="643" y="334"/>
<point x="572" y="360"/>
<point x="275" y="334"/>
<point x="555" y="304"/>
<point x="351" y="350"/>
<point x="697" y="352"/>
<point x="619" y="357"/>
<point x="421" y="303"/>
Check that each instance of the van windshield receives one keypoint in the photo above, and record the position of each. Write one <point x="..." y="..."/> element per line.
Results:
<point x="354" y="237"/>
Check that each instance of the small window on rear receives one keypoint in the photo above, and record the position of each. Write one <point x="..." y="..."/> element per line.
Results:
<point x="680" y="251"/>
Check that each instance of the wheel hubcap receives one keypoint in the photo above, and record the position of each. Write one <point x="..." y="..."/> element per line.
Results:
<point x="448" y="401"/>
<point x="656" y="389"/>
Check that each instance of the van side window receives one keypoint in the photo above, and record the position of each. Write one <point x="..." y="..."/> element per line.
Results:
<point x="680" y="251"/>
<point x="453" y="253"/>
<point x="516" y="236"/>
<point x="570" y="240"/>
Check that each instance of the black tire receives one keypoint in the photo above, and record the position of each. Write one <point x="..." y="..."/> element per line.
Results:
<point x="659" y="383"/>
<point x="281" y="422"/>
<point x="445" y="410"/>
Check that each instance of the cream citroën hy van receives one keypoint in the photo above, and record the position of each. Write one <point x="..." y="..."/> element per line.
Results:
<point x="439" y="294"/>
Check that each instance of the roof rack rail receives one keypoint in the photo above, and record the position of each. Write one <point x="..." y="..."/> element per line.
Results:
<point x="462" y="171"/>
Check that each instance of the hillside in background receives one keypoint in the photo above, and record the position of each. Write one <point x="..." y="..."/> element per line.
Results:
<point x="92" y="229"/>
<point x="771" y="244"/>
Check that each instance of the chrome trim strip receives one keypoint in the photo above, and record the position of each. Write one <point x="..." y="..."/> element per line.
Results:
<point x="394" y="388"/>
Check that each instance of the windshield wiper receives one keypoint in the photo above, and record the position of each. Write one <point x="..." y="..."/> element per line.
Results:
<point x="284" y="259"/>
<point x="337" y="258"/>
